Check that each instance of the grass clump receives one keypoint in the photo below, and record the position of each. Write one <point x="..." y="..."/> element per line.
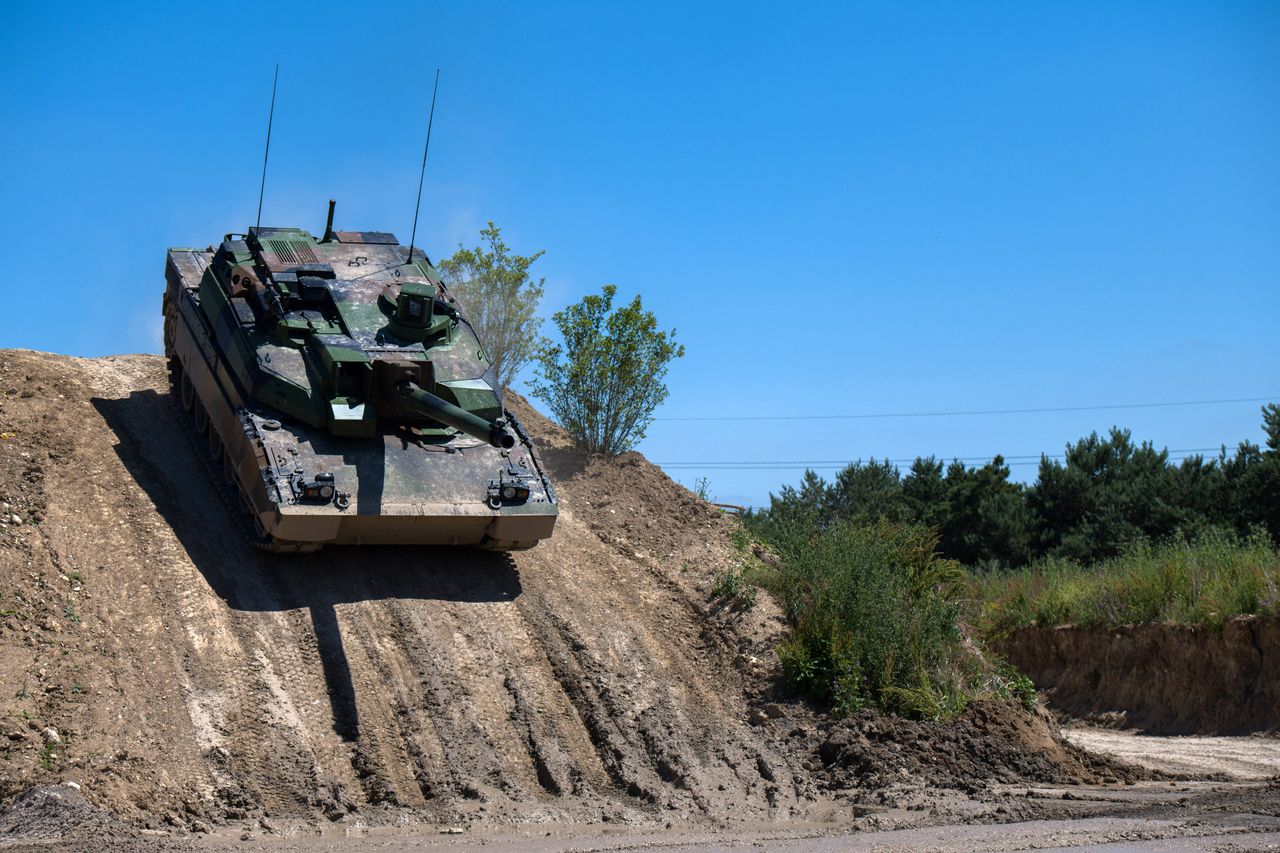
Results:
<point x="48" y="756"/>
<point x="1202" y="582"/>
<point x="875" y="618"/>
<point x="1005" y="682"/>
<point x="734" y="589"/>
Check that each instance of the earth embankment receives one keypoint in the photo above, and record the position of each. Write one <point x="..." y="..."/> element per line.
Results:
<point x="186" y="679"/>
<point x="1160" y="679"/>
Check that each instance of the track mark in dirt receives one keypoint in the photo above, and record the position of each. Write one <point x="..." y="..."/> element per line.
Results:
<point x="197" y="679"/>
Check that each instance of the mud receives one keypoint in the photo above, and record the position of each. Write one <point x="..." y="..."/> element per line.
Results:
<point x="1146" y="816"/>
<point x="1160" y="679"/>
<point x="986" y="744"/>
<point x="189" y="683"/>
<point x="59" y="814"/>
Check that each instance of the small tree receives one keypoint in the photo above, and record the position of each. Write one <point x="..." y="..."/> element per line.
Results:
<point x="604" y="383"/>
<point x="500" y="299"/>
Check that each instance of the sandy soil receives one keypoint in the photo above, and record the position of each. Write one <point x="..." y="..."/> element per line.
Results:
<point x="1162" y="679"/>
<point x="199" y="691"/>
<point x="1233" y="757"/>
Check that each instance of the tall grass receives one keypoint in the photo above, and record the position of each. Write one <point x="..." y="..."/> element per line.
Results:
<point x="874" y="616"/>
<point x="1204" y="582"/>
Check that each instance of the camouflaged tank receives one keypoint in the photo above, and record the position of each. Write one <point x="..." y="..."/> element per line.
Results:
<point x="346" y="396"/>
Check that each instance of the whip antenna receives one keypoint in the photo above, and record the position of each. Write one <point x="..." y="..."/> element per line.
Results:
<point x="270" y="117"/>
<point x="423" y="173"/>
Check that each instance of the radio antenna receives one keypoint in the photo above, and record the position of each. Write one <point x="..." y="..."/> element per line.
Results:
<point x="418" y="206"/>
<point x="270" y="117"/>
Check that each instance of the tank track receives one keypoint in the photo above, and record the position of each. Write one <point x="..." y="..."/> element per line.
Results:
<point x="229" y="491"/>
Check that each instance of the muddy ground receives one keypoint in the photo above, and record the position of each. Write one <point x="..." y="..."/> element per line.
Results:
<point x="197" y="690"/>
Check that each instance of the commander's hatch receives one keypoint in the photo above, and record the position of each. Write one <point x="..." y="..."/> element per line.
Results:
<point x="301" y="283"/>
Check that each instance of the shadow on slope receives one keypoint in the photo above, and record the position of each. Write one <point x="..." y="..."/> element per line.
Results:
<point x="156" y="445"/>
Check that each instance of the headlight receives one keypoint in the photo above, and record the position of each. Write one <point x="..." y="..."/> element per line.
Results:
<point x="322" y="488"/>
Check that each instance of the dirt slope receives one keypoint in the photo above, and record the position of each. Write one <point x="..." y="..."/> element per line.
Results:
<point x="185" y="679"/>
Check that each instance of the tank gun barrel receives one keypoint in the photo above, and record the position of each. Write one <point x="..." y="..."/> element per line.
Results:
<point x="491" y="432"/>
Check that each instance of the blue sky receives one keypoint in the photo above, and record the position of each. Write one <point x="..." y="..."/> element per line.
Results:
<point x="843" y="208"/>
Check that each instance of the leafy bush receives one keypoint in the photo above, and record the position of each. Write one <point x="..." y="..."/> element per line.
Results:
<point x="874" y="618"/>
<point x="1201" y="582"/>
<point x="604" y="383"/>
<point x="1007" y="683"/>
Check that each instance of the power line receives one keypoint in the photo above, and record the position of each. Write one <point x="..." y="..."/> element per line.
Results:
<point x="904" y="460"/>
<point x="827" y="464"/>
<point x="963" y="413"/>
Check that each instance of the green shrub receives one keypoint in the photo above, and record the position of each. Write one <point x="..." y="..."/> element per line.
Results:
<point x="874" y="617"/>
<point x="1006" y="682"/>
<point x="732" y="587"/>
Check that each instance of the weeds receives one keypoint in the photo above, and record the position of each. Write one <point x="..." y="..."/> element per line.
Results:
<point x="875" y="624"/>
<point x="1007" y="683"/>
<point x="702" y="488"/>
<point x="732" y="587"/>
<point x="69" y="612"/>
<point x="48" y="755"/>
<point x="1204" y="582"/>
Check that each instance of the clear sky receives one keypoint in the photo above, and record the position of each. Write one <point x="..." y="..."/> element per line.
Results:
<point x="843" y="208"/>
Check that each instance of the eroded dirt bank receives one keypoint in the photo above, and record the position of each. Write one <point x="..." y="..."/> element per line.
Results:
<point x="187" y="682"/>
<point x="1169" y="679"/>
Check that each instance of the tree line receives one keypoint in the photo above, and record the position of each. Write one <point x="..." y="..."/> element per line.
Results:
<point x="1106" y="493"/>
<point x="604" y="377"/>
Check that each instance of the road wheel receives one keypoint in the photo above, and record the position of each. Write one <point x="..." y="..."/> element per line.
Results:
<point x="186" y="391"/>
<point x="202" y="418"/>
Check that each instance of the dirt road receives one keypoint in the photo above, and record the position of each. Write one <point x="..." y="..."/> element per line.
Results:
<point x="1234" y="757"/>
<point x="1235" y="813"/>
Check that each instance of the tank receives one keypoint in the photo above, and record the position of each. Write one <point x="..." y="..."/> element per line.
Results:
<point x="345" y="396"/>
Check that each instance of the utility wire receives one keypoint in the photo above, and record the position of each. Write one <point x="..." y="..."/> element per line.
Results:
<point x="904" y="461"/>
<point x="1174" y="456"/>
<point x="943" y="414"/>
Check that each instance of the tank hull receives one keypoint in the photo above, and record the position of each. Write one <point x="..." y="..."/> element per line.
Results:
<point x="395" y="487"/>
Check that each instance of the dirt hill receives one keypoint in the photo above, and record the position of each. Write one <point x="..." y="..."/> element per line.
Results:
<point x="182" y="678"/>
